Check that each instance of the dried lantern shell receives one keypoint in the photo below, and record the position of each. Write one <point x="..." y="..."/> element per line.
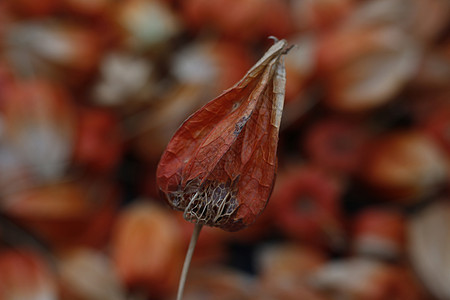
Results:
<point x="219" y="167"/>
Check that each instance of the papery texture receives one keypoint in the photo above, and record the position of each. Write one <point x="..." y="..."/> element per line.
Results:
<point x="219" y="167"/>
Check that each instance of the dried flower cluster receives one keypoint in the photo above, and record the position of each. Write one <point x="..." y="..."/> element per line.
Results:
<point x="91" y="92"/>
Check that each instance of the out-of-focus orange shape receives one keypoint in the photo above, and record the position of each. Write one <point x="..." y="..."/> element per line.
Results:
<point x="306" y="206"/>
<point x="98" y="144"/>
<point x="364" y="68"/>
<point x="39" y="125"/>
<point x="336" y="144"/>
<point x="364" y="279"/>
<point x="146" y="248"/>
<point x="86" y="274"/>
<point x="25" y="276"/>
<point x="380" y="232"/>
<point x="219" y="167"/>
<point x="405" y="166"/>
<point x="246" y="20"/>
<point x="64" y="214"/>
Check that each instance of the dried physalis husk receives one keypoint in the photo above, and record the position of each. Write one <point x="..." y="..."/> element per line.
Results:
<point x="429" y="238"/>
<point x="219" y="167"/>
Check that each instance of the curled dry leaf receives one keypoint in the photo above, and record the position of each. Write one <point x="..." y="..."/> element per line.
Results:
<point x="219" y="167"/>
<point x="429" y="238"/>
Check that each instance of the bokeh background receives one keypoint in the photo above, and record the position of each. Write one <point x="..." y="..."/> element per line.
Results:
<point x="92" y="91"/>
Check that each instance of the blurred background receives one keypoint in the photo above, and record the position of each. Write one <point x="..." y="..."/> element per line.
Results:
<point x="92" y="91"/>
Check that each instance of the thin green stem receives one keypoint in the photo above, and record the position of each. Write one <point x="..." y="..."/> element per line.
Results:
<point x="187" y="259"/>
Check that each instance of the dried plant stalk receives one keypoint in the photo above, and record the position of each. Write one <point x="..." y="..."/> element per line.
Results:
<point x="219" y="168"/>
<point x="187" y="260"/>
